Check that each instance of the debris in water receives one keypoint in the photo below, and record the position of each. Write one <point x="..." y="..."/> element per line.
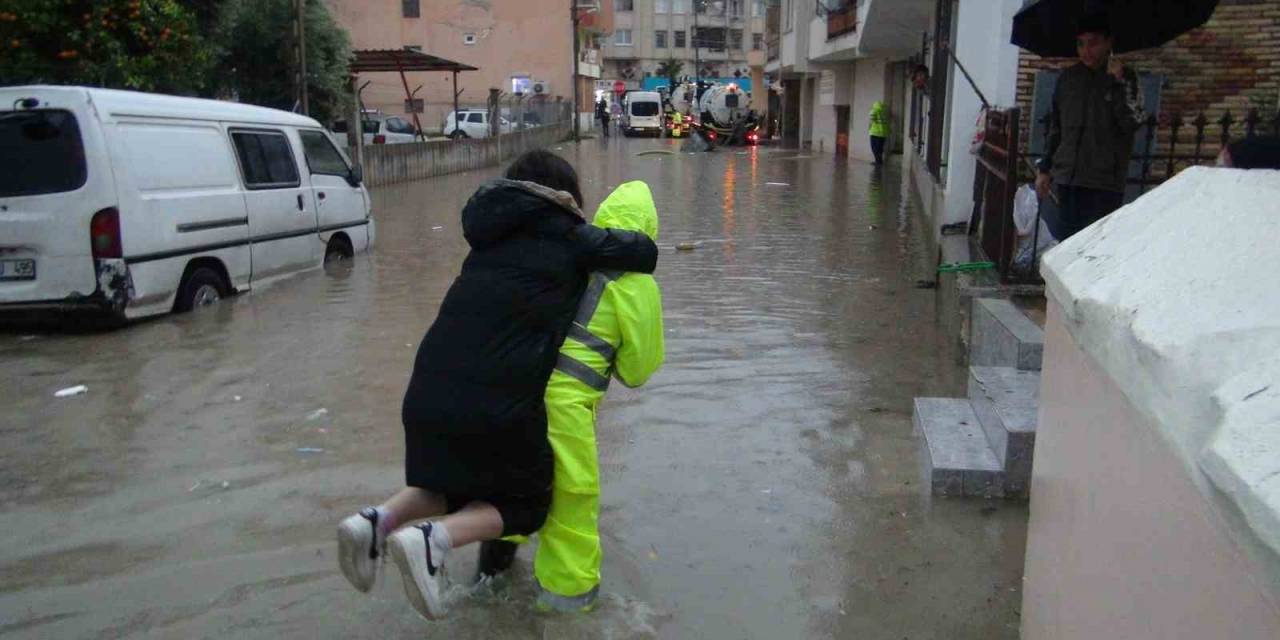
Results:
<point x="926" y="284"/>
<point x="194" y="486"/>
<point x="237" y="398"/>
<point x="226" y="485"/>
<point x="688" y="246"/>
<point x="872" y="227"/>
<point x="777" y="184"/>
<point x="26" y="338"/>
<point x="317" y="414"/>
<point x="766" y="491"/>
<point x="653" y="552"/>
<point x="656" y="152"/>
<point x="71" y="391"/>
<point x="436" y="228"/>
<point x="309" y="450"/>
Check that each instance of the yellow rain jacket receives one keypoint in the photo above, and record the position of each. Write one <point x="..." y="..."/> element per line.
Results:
<point x="879" y="120"/>
<point x="616" y="334"/>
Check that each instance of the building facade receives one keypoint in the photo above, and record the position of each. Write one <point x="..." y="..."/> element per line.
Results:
<point x="515" y="45"/>
<point x="712" y="39"/>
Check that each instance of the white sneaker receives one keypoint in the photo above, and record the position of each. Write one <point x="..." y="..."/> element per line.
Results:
<point x="359" y="549"/>
<point x="421" y="565"/>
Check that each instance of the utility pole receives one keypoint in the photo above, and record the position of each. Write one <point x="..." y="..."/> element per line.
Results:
<point x="577" y="90"/>
<point x="693" y="40"/>
<point x="299" y="22"/>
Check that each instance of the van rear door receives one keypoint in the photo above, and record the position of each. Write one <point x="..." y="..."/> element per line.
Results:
<point x="56" y="176"/>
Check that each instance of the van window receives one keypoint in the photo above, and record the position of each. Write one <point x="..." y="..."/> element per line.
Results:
<point x="475" y="117"/>
<point x="369" y="126"/>
<point x="41" y="152"/>
<point x="644" y="109"/>
<point x="322" y="158"/>
<point x="265" y="159"/>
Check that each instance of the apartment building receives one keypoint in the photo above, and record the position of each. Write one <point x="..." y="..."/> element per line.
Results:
<point x="714" y="39"/>
<point x="515" y="45"/>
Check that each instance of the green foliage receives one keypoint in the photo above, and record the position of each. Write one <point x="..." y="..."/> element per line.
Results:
<point x="671" y="70"/>
<point x="149" y="45"/>
<point x="255" y="56"/>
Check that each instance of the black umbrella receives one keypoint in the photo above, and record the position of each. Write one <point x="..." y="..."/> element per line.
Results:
<point x="1048" y="27"/>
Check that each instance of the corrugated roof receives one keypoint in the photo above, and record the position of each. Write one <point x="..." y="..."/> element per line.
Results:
<point x="373" y="60"/>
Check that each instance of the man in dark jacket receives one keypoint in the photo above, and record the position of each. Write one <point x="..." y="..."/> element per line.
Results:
<point x="1097" y="108"/>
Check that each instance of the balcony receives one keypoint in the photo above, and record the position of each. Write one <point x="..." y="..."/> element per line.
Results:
<point x="842" y="19"/>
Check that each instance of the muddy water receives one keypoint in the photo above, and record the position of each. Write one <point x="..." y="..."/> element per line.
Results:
<point x="765" y="484"/>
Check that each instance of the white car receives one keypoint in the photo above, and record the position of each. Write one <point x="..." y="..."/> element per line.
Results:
<point x="137" y="204"/>
<point x="472" y="123"/>
<point x="380" y="129"/>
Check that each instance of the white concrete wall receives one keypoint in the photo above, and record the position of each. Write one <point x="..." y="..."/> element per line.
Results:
<point x="983" y="30"/>
<point x="868" y="87"/>
<point x="1121" y="543"/>
<point x="1155" y="497"/>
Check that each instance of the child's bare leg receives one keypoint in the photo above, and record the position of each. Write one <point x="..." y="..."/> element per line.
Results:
<point x="409" y="504"/>
<point x="476" y="522"/>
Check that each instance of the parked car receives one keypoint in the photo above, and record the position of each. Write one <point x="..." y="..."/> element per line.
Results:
<point x="472" y="123"/>
<point x="139" y="204"/>
<point x="380" y="129"/>
<point x="642" y="113"/>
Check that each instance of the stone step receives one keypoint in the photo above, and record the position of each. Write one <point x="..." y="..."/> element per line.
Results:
<point x="1006" y="401"/>
<point x="958" y="459"/>
<point x="1002" y="336"/>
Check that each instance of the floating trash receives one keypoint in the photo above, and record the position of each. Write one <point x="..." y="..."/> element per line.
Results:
<point x="71" y="391"/>
<point x="777" y="184"/>
<point x="656" y="152"/>
<point x="688" y="246"/>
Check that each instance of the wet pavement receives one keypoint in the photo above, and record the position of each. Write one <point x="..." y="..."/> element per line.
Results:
<point x="765" y="484"/>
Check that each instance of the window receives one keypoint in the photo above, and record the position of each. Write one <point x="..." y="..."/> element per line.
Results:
<point x="322" y="157"/>
<point x="735" y="39"/>
<point x="468" y="39"/>
<point x="662" y="6"/>
<point x="622" y="37"/>
<point x="757" y="41"/>
<point x="680" y="44"/>
<point x="625" y="5"/>
<point x="660" y="39"/>
<point x="712" y="38"/>
<point x="644" y="109"/>
<point x="410" y="9"/>
<point x="680" y="6"/>
<point x="265" y="159"/>
<point x="41" y="152"/>
<point x="757" y="9"/>
<point x="786" y="15"/>
<point x="399" y="125"/>
<point x="475" y="116"/>
<point x="735" y="7"/>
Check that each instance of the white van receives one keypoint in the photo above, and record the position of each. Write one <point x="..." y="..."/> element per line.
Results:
<point x="642" y="113"/>
<point x="138" y="204"/>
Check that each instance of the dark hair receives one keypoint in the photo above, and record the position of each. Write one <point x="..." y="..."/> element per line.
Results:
<point x="920" y="69"/>
<point x="1098" y="22"/>
<point x="1256" y="152"/>
<point x="547" y="169"/>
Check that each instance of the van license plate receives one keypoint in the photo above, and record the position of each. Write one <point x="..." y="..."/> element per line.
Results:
<point x="17" y="269"/>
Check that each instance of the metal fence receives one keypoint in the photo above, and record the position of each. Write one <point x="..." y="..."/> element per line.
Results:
<point x="391" y="163"/>
<point x="1169" y="144"/>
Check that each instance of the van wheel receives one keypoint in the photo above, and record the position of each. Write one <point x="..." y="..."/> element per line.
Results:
<point x="203" y="287"/>
<point x="339" y="248"/>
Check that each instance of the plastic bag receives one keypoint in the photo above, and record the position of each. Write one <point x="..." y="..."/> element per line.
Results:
<point x="979" y="133"/>
<point x="1041" y="243"/>
<point x="1026" y="204"/>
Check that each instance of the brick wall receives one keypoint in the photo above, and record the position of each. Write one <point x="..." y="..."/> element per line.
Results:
<point x="1231" y="63"/>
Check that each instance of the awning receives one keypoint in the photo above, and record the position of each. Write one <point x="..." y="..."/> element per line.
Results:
<point x="374" y="60"/>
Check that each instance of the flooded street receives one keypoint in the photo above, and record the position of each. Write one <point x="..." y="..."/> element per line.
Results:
<point x="765" y="484"/>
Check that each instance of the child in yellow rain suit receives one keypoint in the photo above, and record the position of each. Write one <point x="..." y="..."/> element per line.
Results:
<point x="617" y="333"/>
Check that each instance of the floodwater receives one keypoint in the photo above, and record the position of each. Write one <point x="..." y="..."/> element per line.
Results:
<point x="765" y="484"/>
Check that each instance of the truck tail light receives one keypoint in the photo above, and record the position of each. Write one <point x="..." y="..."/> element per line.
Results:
<point x="104" y="234"/>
